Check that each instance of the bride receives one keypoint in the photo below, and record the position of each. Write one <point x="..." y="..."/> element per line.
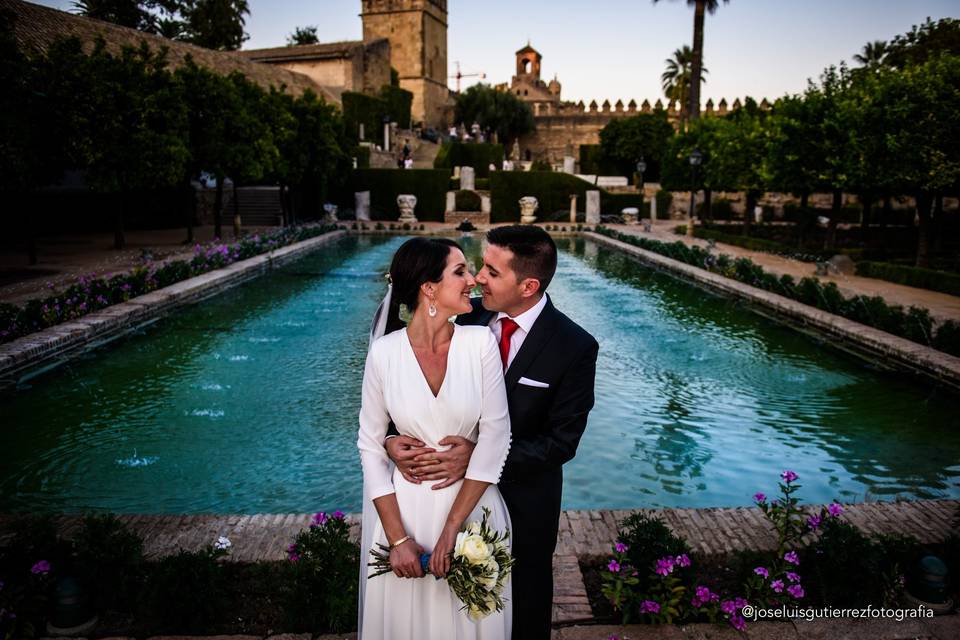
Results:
<point x="432" y="379"/>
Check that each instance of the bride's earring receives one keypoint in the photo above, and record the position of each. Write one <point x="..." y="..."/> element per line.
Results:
<point x="432" y="309"/>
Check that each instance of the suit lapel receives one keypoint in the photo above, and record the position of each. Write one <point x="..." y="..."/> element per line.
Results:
<point x="540" y="333"/>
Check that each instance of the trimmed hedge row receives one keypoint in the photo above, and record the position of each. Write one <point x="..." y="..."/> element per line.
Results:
<point x="476" y="155"/>
<point x="370" y="110"/>
<point x="428" y="185"/>
<point x="552" y="190"/>
<point x="911" y="276"/>
<point x="914" y="324"/>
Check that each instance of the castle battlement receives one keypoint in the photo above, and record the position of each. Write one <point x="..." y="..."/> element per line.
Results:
<point x="607" y="110"/>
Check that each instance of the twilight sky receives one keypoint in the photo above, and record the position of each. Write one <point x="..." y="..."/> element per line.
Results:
<point x="610" y="49"/>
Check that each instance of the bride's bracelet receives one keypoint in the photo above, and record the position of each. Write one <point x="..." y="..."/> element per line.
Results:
<point x="400" y="542"/>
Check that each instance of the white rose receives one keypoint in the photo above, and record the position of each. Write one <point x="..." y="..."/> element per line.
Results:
<point x="493" y="569"/>
<point x="458" y="545"/>
<point x="473" y="527"/>
<point x="475" y="549"/>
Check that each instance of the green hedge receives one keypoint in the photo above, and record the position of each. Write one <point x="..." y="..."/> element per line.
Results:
<point x="754" y="244"/>
<point x="911" y="276"/>
<point x="482" y="184"/>
<point x="552" y="190"/>
<point x="593" y="162"/>
<point x="468" y="201"/>
<point x="362" y="154"/>
<point x="360" y="108"/>
<point x="913" y="324"/>
<point x="476" y="155"/>
<point x="384" y="185"/>
<point x="664" y="200"/>
<point x="397" y="103"/>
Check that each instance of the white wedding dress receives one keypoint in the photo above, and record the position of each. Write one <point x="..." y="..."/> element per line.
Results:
<point x="472" y="402"/>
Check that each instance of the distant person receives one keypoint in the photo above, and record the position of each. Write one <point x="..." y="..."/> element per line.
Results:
<point x="408" y="163"/>
<point x="406" y="149"/>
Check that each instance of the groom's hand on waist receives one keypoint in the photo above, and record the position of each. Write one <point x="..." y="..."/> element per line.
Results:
<point x="403" y="450"/>
<point x="449" y="466"/>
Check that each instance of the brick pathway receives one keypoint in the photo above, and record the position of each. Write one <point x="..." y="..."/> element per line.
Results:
<point x="583" y="534"/>
<point x="942" y="306"/>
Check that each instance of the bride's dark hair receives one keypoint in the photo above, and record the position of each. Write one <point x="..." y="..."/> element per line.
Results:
<point x="418" y="260"/>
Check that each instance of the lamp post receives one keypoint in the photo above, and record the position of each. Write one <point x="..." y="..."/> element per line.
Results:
<point x="696" y="159"/>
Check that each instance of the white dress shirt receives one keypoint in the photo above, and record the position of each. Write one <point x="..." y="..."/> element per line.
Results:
<point x="524" y="321"/>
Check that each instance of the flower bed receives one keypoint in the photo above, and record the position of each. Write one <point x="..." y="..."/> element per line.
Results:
<point x="650" y="576"/>
<point x="91" y="293"/>
<point x="913" y="324"/>
<point x="185" y="593"/>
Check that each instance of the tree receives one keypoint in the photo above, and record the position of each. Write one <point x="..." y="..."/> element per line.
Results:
<point x="215" y="24"/>
<point x="872" y="55"/>
<point x="700" y="7"/>
<point x="500" y="111"/>
<point x="127" y="13"/>
<point x="625" y="140"/>
<point x="676" y="79"/>
<point x="303" y="35"/>
<point x="927" y="41"/>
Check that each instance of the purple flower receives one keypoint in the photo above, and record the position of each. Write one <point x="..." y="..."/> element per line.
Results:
<point x="738" y="623"/>
<point x="729" y="607"/>
<point x="620" y="547"/>
<point x="762" y="571"/>
<point x="777" y="585"/>
<point x="814" y="522"/>
<point x="613" y="567"/>
<point x="649" y="606"/>
<point x="292" y="548"/>
<point x="339" y="515"/>
<point x="664" y="566"/>
<point x="41" y="567"/>
<point x="702" y="596"/>
<point x="795" y="590"/>
<point x="789" y="476"/>
<point x="319" y="518"/>
<point x="793" y="577"/>
<point x="759" y="497"/>
<point x="791" y="557"/>
<point x="835" y="509"/>
<point x="294" y="557"/>
<point x="682" y="560"/>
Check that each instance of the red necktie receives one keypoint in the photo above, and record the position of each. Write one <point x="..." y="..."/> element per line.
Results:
<point x="507" y="327"/>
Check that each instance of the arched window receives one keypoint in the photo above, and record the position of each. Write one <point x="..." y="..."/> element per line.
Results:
<point x="525" y="92"/>
<point x="526" y="65"/>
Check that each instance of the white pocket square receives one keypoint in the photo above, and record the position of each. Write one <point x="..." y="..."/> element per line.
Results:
<point x="533" y="383"/>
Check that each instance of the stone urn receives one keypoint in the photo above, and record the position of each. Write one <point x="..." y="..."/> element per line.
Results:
<point x="331" y="213"/>
<point x="630" y="215"/>
<point x="407" y="203"/>
<point x="528" y="209"/>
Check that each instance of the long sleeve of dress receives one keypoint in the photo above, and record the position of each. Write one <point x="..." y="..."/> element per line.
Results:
<point x="377" y="468"/>
<point x="493" y="443"/>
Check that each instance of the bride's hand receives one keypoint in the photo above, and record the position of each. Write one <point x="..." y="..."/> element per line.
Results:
<point x="405" y="560"/>
<point x="443" y="551"/>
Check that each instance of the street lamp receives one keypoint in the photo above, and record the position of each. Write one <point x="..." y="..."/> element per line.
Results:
<point x="696" y="159"/>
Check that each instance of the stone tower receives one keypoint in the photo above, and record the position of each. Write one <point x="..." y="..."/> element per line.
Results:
<point x="528" y="64"/>
<point x="417" y="31"/>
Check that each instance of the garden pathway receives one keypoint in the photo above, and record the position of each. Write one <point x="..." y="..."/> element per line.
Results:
<point x="942" y="306"/>
<point x="583" y="534"/>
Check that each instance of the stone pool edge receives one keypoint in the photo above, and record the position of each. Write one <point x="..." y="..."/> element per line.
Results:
<point x="43" y="350"/>
<point x="878" y="347"/>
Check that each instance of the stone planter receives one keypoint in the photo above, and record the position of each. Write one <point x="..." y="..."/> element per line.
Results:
<point x="407" y="203"/>
<point x="331" y="213"/>
<point x="630" y="215"/>
<point x="528" y="209"/>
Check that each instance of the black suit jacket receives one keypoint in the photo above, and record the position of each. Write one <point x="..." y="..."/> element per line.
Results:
<point x="546" y="422"/>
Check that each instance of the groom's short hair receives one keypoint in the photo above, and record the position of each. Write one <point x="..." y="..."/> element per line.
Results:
<point x="534" y="251"/>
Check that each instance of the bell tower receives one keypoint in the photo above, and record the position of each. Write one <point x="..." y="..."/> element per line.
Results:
<point x="528" y="63"/>
<point x="417" y="31"/>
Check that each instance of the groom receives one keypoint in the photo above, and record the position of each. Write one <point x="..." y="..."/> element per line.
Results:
<point x="549" y="366"/>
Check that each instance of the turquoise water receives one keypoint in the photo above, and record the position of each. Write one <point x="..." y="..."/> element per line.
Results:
<point x="247" y="403"/>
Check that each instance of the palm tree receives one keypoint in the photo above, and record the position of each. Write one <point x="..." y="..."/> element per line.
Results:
<point x="676" y="79"/>
<point x="872" y="55"/>
<point x="700" y="7"/>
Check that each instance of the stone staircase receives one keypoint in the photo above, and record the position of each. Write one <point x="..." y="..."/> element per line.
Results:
<point x="259" y="206"/>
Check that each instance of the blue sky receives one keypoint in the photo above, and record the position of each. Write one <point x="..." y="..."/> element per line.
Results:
<point x="615" y="49"/>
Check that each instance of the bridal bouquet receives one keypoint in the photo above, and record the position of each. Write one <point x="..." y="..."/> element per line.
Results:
<point x="480" y="566"/>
